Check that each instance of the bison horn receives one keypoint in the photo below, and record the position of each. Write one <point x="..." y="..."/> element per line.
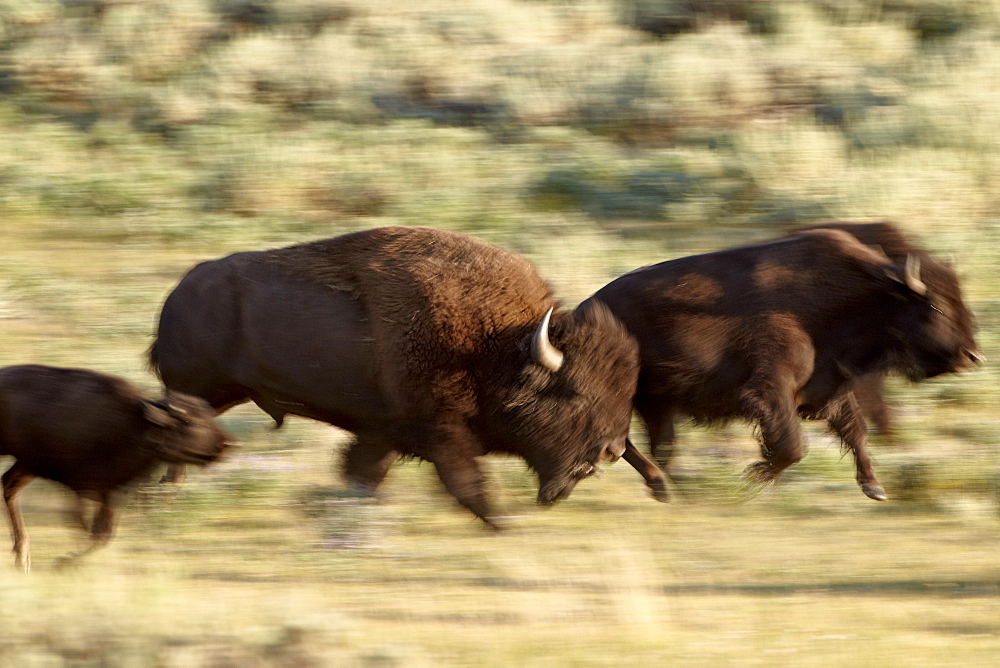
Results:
<point x="157" y="412"/>
<point x="542" y="351"/>
<point x="912" y="275"/>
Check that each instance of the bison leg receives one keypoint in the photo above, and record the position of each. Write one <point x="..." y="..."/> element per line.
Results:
<point x="104" y="522"/>
<point x="14" y="481"/>
<point x="846" y="421"/>
<point x="780" y="439"/>
<point x="174" y="474"/>
<point x="870" y="392"/>
<point x="648" y="470"/>
<point x="453" y="453"/>
<point x="366" y="464"/>
<point x="659" y="422"/>
<point x="101" y="528"/>
<point x="463" y="479"/>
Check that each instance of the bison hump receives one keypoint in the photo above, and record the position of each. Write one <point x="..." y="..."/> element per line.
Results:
<point x="423" y="278"/>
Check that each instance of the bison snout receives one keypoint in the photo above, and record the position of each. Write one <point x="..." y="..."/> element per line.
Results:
<point x="201" y="450"/>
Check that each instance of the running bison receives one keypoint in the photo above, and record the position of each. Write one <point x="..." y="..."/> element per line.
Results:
<point x="778" y="330"/>
<point x="421" y="342"/>
<point x="95" y="434"/>
<point x="940" y="279"/>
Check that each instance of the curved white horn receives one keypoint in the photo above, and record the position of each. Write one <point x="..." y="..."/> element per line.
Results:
<point x="912" y="275"/>
<point x="542" y="351"/>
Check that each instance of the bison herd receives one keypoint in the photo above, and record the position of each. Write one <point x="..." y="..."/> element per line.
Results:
<point x="432" y="344"/>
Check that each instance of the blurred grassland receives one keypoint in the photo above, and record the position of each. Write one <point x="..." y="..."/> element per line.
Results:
<point x="593" y="136"/>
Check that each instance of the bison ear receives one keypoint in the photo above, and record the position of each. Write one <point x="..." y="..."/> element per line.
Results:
<point x="156" y="413"/>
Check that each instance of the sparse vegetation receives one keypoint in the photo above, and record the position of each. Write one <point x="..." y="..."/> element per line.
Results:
<point x="141" y="136"/>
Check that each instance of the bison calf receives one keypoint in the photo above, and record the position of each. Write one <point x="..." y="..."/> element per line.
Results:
<point x="94" y="433"/>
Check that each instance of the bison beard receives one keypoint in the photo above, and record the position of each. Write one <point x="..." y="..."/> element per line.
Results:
<point x="421" y="342"/>
<point x="95" y="434"/>
<point x="781" y="330"/>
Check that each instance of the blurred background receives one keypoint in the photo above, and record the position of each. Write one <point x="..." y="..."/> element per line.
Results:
<point x="138" y="137"/>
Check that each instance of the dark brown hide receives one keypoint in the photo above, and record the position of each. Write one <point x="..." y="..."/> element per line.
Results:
<point x="95" y="434"/>
<point x="416" y="340"/>
<point x="778" y="330"/>
<point x="943" y="282"/>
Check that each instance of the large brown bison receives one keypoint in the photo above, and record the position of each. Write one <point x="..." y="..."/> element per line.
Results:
<point x="940" y="278"/>
<point x="421" y="342"/>
<point x="778" y="330"/>
<point x="95" y="434"/>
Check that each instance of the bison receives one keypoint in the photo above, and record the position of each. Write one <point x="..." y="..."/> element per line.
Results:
<point x="95" y="434"/>
<point x="869" y="389"/>
<point x="420" y="342"/>
<point x="778" y="330"/>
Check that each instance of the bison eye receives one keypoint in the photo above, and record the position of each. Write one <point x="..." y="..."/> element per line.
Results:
<point x="935" y="308"/>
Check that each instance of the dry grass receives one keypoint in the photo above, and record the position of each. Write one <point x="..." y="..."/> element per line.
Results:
<point x="238" y="568"/>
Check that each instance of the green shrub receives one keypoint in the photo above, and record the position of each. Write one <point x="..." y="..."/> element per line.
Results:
<point x="95" y="196"/>
<point x="633" y="194"/>
<point x="928" y="19"/>
<point x="663" y="18"/>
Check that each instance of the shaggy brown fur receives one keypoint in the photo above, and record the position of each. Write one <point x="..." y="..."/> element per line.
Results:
<point x="95" y="434"/>
<point x="417" y="341"/>
<point x="787" y="328"/>
<point x="431" y="299"/>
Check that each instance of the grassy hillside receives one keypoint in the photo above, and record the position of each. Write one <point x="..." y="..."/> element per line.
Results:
<point x="593" y="136"/>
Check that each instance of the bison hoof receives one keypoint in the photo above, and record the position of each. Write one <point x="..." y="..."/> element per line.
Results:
<point x="874" y="491"/>
<point x="757" y="479"/>
<point x="760" y="473"/>
<point x="750" y="488"/>
<point x="658" y="488"/>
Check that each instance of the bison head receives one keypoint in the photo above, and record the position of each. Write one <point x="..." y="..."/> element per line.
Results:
<point x="185" y="431"/>
<point x="934" y="333"/>
<point x="566" y="418"/>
